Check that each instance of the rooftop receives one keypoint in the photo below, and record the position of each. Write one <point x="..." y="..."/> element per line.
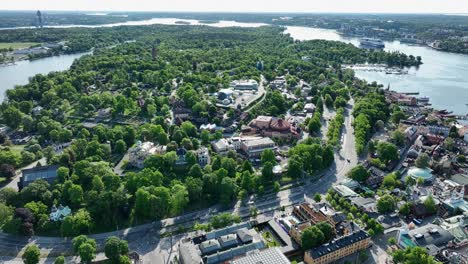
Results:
<point x="270" y="255"/>
<point x="430" y="235"/>
<point x="43" y="172"/>
<point x="338" y="243"/>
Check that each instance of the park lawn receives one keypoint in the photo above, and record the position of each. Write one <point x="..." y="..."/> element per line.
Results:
<point x="17" y="45"/>
<point x="17" y="148"/>
<point x="271" y="241"/>
<point x="2" y="180"/>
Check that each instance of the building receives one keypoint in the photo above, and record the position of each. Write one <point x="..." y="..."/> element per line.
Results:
<point x="57" y="214"/>
<point x="224" y="145"/>
<point x="309" y="108"/>
<point x="431" y="236"/>
<point x="253" y="148"/>
<point x="439" y="130"/>
<point x="418" y="173"/>
<point x="46" y="173"/>
<point x="245" y="85"/>
<point x="225" y="96"/>
<point x="270" y="255"/>
<point x="273" y="127"/>
<point x="142" y="150"/>
<point x="181" y="157"/>
<point x="278" y="83"/>
<point x="220" y="246"/>
<point x="203" y="156"/>
<point x="338" y="248"/>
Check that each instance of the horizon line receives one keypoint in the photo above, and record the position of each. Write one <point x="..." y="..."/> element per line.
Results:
<point x="236" y="12"/>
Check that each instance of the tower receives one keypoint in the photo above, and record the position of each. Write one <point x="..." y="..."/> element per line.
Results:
<point x="154" y="52"/>
<point x="39" y="19"/>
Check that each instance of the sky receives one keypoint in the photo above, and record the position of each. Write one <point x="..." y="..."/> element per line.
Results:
<point x="306" y="6"/>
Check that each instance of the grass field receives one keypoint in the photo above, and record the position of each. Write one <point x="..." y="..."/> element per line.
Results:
<point x="17" y="45"/>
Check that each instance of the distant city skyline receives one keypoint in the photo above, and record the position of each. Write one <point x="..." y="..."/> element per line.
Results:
<point x="292" y="6"/>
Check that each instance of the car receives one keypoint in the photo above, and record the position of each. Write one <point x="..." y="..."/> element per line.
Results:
<point x="348" y="160"/>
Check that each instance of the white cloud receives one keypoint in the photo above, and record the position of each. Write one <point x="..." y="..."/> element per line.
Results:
<point x="359" y="6"/>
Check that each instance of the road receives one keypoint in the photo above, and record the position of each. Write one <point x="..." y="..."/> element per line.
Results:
<point x="146" y="239"/>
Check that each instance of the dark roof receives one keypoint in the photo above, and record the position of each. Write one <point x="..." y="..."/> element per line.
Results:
<point x="43" y="172"/>
<point x="338" y="243"/>
<point x="181" y="151"/>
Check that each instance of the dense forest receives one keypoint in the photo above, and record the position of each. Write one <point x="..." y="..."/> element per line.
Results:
<point x="138" y="73"/>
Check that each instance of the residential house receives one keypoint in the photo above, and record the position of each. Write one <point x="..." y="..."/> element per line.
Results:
<point x="46" y="173"/>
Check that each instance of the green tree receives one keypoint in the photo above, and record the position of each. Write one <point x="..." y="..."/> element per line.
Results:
<point x="60" y="260"/>
<point x="405" y="209"/>
<point x="359" y="173"/>
<point x="180" y="198"/>
<point x="387" y="152"/>
<point x="326" y="229"/>
<point x="413" y="255"/>
<point x="312" y="237"/>
<point x="295" y="167"/>
<point x="317" y="197"/>
<point x="115" y="248"/>
<point x="422" y="161"/>
<point x="430" y="205"/>
<point x="386" y="204"/>
<point x="398" y="138"/>
<point x="85" y="248"/>
<point x="268" y="156"/>
<point x="12" y="117"/>
<point x="120" y="146"/>
<point x="31" y="255"/>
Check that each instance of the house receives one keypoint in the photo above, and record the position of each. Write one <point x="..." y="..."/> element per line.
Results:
<point x="58" y="214"/>
<point x="430" y="236"/>
<point x="309" y="108"/>
<point x="181" y="156"/>
<point x="46" y="173"/>
<point x="203" y="156"/>
<point x="37" y="110"/>
<point x="141" y="151"/>
<point x="278" y="83"/>
<point x="224" y="145"/>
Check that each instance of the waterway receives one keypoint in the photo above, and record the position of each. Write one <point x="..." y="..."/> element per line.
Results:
<point x="443" y="76"/>
<point x="20" y="72"/>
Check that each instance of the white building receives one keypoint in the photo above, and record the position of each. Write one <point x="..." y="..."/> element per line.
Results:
<point x="224" y="145"/>
<point x="245" y="85"/>
<point x="203" y="156"/>
<point x="254" y="147"/>
<point x="309" y="108"/>
<point x="141" y="151"/>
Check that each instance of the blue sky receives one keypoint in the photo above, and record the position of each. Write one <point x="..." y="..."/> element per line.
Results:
<point x="354" y="6"/>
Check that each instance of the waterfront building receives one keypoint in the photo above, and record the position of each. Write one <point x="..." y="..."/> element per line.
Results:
<point x="46" y="173"/>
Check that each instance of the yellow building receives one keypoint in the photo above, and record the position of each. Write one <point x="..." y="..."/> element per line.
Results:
<point x="338" y="248"/>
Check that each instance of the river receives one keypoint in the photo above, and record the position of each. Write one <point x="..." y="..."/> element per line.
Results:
<point x="443" y="76"/>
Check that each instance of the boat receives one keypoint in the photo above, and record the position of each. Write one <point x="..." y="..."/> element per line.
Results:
<point x="423" y="99"/>
<point x="372" y="43"/>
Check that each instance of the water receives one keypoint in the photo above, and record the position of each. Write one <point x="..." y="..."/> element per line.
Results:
<point x="21" y="71"/>
<point x="158" y="21"/>
<point x="443" y="77"/>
